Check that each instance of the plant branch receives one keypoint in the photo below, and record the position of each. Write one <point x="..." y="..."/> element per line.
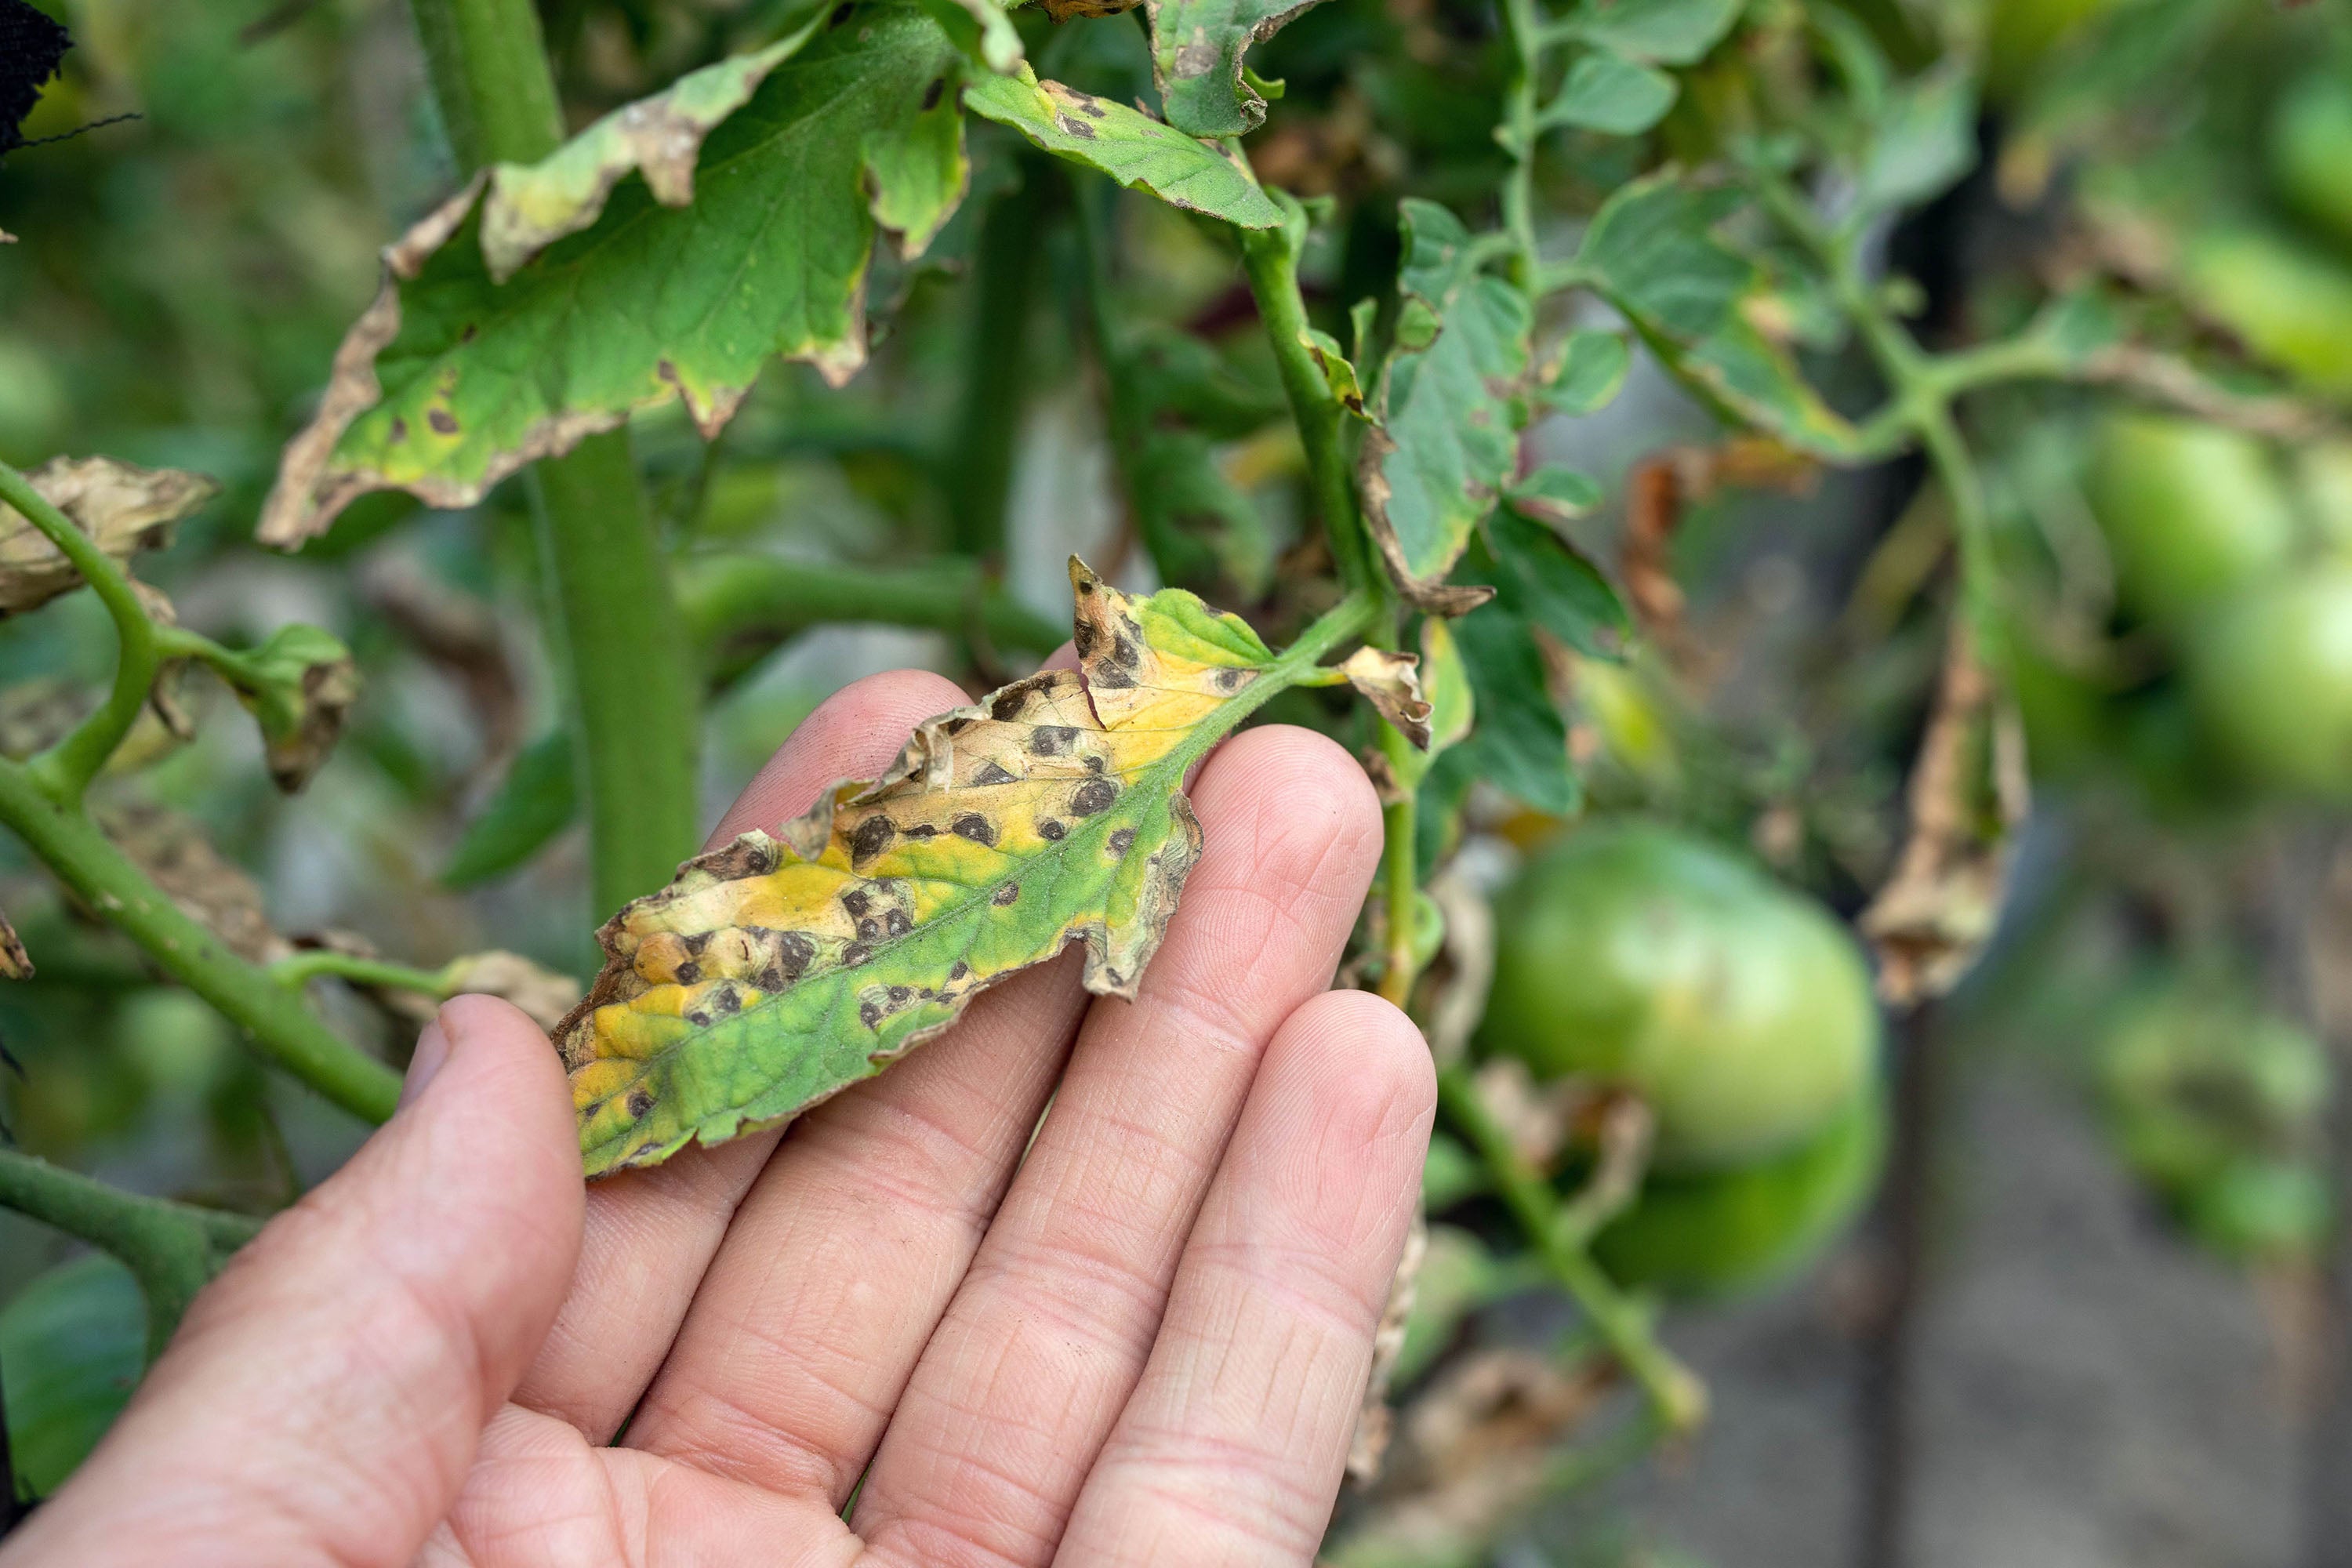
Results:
<point x="1677" y="1396"/>
<point x="65" y="770"/>
<point x="625" y="652"/>
<point x="1400" y="877"/>
<point x="996" y="367"/>
<point x="300" y="970"/>
<point x="728" y="600"/>
<point x="87" y="861"/>
<point x="171" y="1249"/>
<point x="1270" y="258"/>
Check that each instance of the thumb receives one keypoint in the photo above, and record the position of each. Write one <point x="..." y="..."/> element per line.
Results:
<point x="324" y="1398"/>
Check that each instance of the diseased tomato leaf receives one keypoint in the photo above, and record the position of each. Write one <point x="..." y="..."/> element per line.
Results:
<point x="453" y="380"/>
<point x="777" y="971"/>
<point x="123" y="508"/>
<point x="1131" y="147"/>
<point x="1197" y="50"/>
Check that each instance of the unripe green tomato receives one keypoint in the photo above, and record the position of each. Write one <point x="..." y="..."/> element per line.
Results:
<point x="2310" y="152"/>
<point x="1725" y="1232"/>
<point x="1642" y="957"/>
<point x="2191" y="511"/>
<point x="2290" y="302"/>
<point x="2270" y="673"/>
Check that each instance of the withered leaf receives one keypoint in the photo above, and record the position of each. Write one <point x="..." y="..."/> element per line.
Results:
<point x="777" y="971"/>
<point x="540" y="992"/>
<point x="1386" y="679"/>
<point x="1969" y="794"/>
<point x="15" y="963"/>
<point x="124" y="508"/>
<point x="297" y="686"/>
<point x="172" y="850"/>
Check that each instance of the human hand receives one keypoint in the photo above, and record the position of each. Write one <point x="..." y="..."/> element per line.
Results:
<point x="1143" y="1341"/>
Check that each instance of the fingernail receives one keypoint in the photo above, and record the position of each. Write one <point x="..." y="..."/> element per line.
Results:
<point x="432" y="1051"/>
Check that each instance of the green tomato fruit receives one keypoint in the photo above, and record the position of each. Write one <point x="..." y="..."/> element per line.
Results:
<point x="2270" y="674"/>
<point x="1726" y="1232"/>
<point x="2310" y="149"/>
<point x="2260" y="1211"/>
<point x="1643" y="957"/>
<point x="2292" y="304"/>
<point x="2191" y="511"/>
<point x="2194" y="1081"/>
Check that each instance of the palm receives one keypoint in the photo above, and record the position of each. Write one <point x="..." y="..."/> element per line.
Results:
<point x="1149" y="1329"/>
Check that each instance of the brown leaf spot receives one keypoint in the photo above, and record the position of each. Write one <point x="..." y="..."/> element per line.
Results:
<point x="687" y="974"/>
<point x="992" y="773"/>
<point x="1053" y="739"/>
<point x="1005" y="896"/>
<point x="1121" y="842"/>
<point x="960" y="970"/>
<point x="441" y="420"/>
<point x="870" y="1015"/>
<point x="641" y="1102"/>
<point x="1050" y="830"/>
<point x="974" y="826"/>
<point x="897" y="922"/>
<point x="855" y="953"/>
<point x="854" y="901"/>
<point x="873" y="835"/>
<point x="1093" y="796"/>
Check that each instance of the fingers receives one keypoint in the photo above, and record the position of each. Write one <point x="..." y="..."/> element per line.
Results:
<point x="324" y="1397"/>
<point x="651" y="1233"/>
<point x="1024" y="1376"/>
<point x="849" y="1247"/>
<point x="1231" y="1451"/>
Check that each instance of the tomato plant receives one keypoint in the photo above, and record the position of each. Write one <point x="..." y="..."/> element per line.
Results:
<point x="1723" y="466"/>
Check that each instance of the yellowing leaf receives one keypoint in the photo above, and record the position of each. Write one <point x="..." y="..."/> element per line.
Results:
<point x="124" y="508"/>
<point x="777" y="971"/>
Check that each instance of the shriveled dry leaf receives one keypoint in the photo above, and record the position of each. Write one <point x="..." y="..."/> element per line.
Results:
<point x="1969" y="794"/>
<point x="540" y="992"/>
<point x="1388" y="682"/>
<point x="776" y="972"/>
<point x="172" y="850"/>
<point x="1375" y="1421"/>
<point x="124" y="508"/>
<point x="15" y="963"/>
<point x="297" y="686"/>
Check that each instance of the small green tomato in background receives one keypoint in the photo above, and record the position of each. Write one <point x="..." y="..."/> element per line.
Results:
<point x="2217" y="1108"/>
<point x="1724" y="1233"/>
<point x="2189" y="512"/>
<point x="1645" y="958"/>
<point x="2270" y="673"/>
<point x="2310" y="149"/>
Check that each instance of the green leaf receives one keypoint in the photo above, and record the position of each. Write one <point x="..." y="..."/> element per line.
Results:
<point x="1520" y="744"/>
<point x="1925" y="139"/>
<point x="451" y="380"/>
<point x="530" y="207"/>
<point x="1450" y="408"/>
<point x="72" y="1348"/>
<point x="776" y="972"/>
<point x="1591" y="370"/>
<point x="1549" y="583"/>
<point x="1607" y="92"/>
<point x="1196" y="58"/>
<point x="1663" y="32"/>
<point x="1131" y="147"/>
<point x="1556" y="492"/>
<point x="1182" y="377"/>
<point x="297" y="686"/>
<point x="537" y="800"/>
<point x="1652" y="253"/>
<point x="1338" y="370"/>
<point x="981" y="29"/>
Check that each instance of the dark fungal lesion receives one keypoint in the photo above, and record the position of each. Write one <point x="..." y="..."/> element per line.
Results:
<point x="992" y="773"/>
<point x="640" y="1102"/>
<point x="870" y="838"/>
<point x="975" y="827"/>
<point x="1053" y="740"/>
<point x="1006" y="895"/>
<point x="1093" y="797"/>
<point x="1050" y="830"/>
<point x="1120" y="841"/>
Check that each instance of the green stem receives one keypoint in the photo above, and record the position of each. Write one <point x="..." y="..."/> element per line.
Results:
<point x="281" y="1028"/>
<point x="1679" y="1398"/>
<point x="1270" y="258"/>
<point x="996" y="368"/>
<point x="171" y="1249"/>
<point x="729" y="601"/>
<point x="1400" y="876"/>
<point x="626" y="652"/>
<point x="487" y="64"/>
<point x="632" y="674"/>
<point x="63" y="772"/>
<point x="304" y="967"/>
<point x="1519" y="133"/>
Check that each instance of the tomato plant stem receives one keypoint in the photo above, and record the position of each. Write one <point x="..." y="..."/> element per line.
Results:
<point x="304" y="967"/>
<point x="65" y="770"/>
<point x="624" y="645"/>
<point x="171" y="1249"/>
<point x="737" y="605"/>
<point x="996" y="368"/>
<point x="1270" y="258"/>
<point x="1677" y="1396"/>
<point x="105" y="879"/>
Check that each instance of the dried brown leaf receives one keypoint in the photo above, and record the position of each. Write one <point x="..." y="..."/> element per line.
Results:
<point x="540" y="992"/>
<point x="172" y="850"/>
<point x="1387" y="681"/>
<point x="125" y="509"/>
<point x="1969" y="794"/>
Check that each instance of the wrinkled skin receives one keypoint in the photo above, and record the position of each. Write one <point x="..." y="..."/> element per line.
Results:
<point x="1141" y="1341"/>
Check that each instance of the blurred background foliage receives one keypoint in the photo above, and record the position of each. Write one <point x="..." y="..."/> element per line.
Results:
<point x="1063" y="371"/>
